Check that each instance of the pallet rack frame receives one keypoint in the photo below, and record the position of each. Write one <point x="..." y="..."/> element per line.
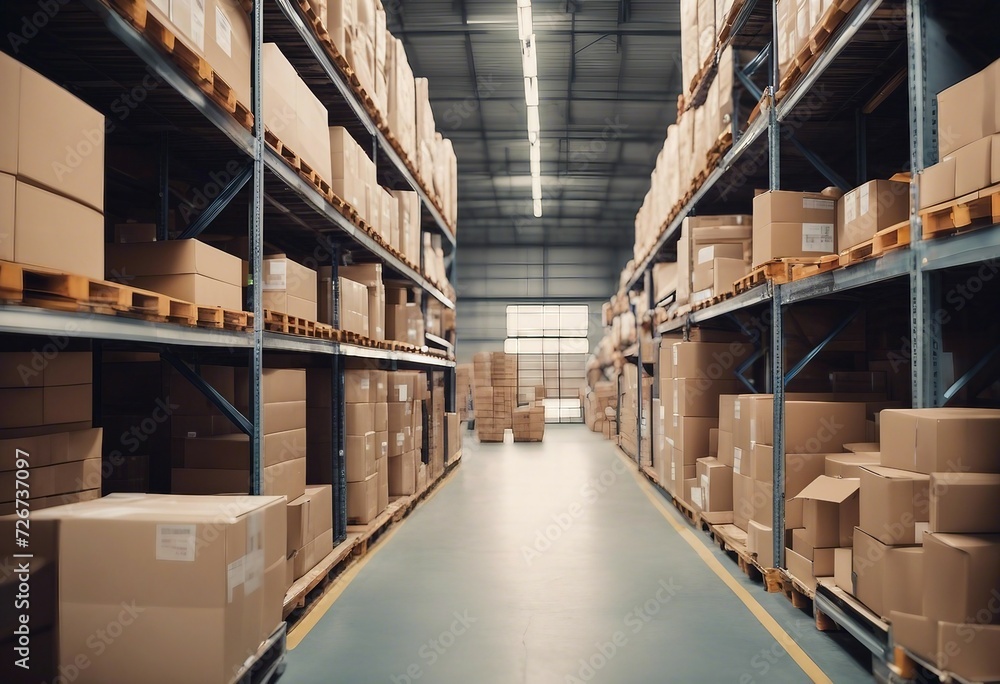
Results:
<point x="931" y="66"/>
<point x="267" y="175"/>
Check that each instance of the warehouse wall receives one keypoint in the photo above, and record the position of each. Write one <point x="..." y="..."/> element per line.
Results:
<point x="490" y="278"/>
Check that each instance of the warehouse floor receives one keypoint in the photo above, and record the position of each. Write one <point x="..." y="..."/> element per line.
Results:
<point x="553" y="563"/>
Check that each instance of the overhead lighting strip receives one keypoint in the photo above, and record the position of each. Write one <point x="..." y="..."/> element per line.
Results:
<point x="529" y="62"/>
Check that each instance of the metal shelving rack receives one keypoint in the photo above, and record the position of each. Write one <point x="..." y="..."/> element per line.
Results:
<point x="874" y="30"/>
<point x="96" y="52"/>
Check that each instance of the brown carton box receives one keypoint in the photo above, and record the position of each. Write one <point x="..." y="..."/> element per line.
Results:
<point x="8" y="191"/>
<point x="716" y="482"/>
<point x="742" y="500"/>
<point x="972" y="166"/>
<point x="173" y="257"/>
<point x="969" y="650"/>
<point x="916" y="633"/>
<point x="108" y="549"/>
<point x="690" y="435"/>
<point x="706" y="359"/>
<point x="830" y="511"/>
<point x="894" y="504"/>
<point x="864" y="211"/>
<point x="941" y="440"/>
<point x="887" y="578"/>
<point x="362" y="500"/>
<point x="937" y="183"/>
<point x="42" y="237"/>
<point x="699" y="397"/>
<point x="970" y="562"/>
<point x="282" y="275"/>
<point x="760" y="543"/>
<point x="358" y="387"/>
<point x="965" y="503"/>
<point x="781" y="240"/>
<point x="403" y="474"/>
<point x="843" y="569"/>
<point x="298" y="524"/>
<point x="312" y="553"/>
<point x="321" y="508"/>
<point x="849" y="465"/>
<point x="382" y="468"/>
<point x="801" y="568"/>
<point x="361" y="456"/>
<point x="966" y="112"/>
<point x="196" y="289"/>
<point x="360" y="419"/>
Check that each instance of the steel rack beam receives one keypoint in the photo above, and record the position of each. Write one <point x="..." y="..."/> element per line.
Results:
<point x="828" y="607"/>
<point x="219" y="401"/>
<point x="973" y="372"/>
<point x="220" y="202"/>
<point x="274" y="341"/>
<point x="172" y="75"/>
<point x="815" y="351"/>
<point x="843" y="37"/>
<point x="26" y="320"/>
<point x="978" y="247"/>
<point x="777" y="381"/>
<point x="255" y="231"/>
<point x="277" y="166"/>
<point x="897" y="264"/>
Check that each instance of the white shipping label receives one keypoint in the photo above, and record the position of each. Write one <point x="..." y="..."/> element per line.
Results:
<point x="399" y="439"/>
<point x="676" y="396"/>
<point x="919" y="529"/>
<point x="704" y="481"/>
<point x="817" y="237"/>
<point x="850" y="208"/>
<point x="235" y="576"/>
<point x="176" y="542"/>
<point x="673" y="470"/>
<point x="663" y="414"/>
<point x="365" y="384"/>
<point x="696" y="497"/>
<point x="253" y="571"/>
<point x="736" y="410"/>
<point x="223" y="32"/>
<point x="674" y="349"/>
<point x="385" y="449"/>
<point x="737" y="458"/>
<point x="402" y="393"/>
<point x="821" y="204"/>
<point x="865" y="199"/>
<point x="276" y="277"/>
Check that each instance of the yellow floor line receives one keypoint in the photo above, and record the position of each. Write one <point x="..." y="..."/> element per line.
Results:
<point x="811" y="669"/>
<point x="304" y="626"/>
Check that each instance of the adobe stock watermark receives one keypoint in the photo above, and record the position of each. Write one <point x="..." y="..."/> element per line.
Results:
<point x="563" y="521"/>
<point x="32" y="24"/>
<point x="633" y="623"/>
<point x="434" y="649"/>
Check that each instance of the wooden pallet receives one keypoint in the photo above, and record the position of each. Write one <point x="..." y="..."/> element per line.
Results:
<point x="717" y="299"/>
<point x="729" y="22"/>
<point x="894" y="237"/>
<point x="972" y="211"/>
<point x="276" y="321"/>
<point x="796" y="591"/>
<point x="812" y="48"/>
<point x="733" y="541"/>
<point x="782" y="271"/>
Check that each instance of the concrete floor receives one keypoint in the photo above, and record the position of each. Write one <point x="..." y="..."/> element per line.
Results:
<point x="547" y="563"/>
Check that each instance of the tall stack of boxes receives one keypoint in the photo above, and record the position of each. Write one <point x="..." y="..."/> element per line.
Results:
<point x="940" y="521"/>
<point x="367" y="445"/>
<point x="628" y="402"/>
<point x="370" y="276"/>
<point x="43" y="125"/>
<point x="968" y="121"/>
<point x="405" y="426"/>
<point x="528" y="421"/>
<point x="45" y="425"/>
<point x="596" y="401"/>
<point x="495" y="394"/>
<point x="712" y="253"/>
<point x="221" y="464"/>
<point x="354" y="314"/>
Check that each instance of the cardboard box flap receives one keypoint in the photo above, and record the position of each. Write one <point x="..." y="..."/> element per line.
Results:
<point x="831" y="489"/>
<point x="895" y="473"/>
<point x="863" y="447"/>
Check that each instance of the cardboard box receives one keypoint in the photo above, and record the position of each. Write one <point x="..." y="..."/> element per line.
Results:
<point x="173" y="257"/>
<point x="894" y="504"/>
<point x="360" y="418"/>
<point x="277" y="385"/>
<point x="55" y="232"/>
<point x="403" y="474"/>
<point x="916" y="633"/>
<point x="966" y="112"/>
<point x="887" y="578"/>
<point x="382" y="468"/>
<point x="716" y="483"/>
<point x="970" y="563"/>
<point x="760" y="543"/>
<point x="970" y="651"/>
<point x="872" y="207"/>
<point x="849" y="465"/>
<point x="843" y="569"/>
<point x="298" y="524"/>
<point x="8" y="190"/>
<point x="830" y="511"/>
<point x="742" y="500"/>
<point x="358" y="387"/>
<point x="361" y="455"/>
<point x="780" y="240"/>
<point x="937" y="183"/>
<point x="706" y="359"/>
<point x="972" y="166"/>
<point x="699" y="397"/>
<point x="783" y="206"/>
<point x="196" y="289"/>
<point x="281" y="274"/>
<point x="725" y="273"/>
<point x="60" y="147"/>
<point x="690" y="435"/>
<point x="941" y="440"/>
<point x="801" y="568"/>
<point x="109" y="548"/>
<point x="965" y="503"/>
<point x="362" y="500"/>
<point x="312" y="553"/>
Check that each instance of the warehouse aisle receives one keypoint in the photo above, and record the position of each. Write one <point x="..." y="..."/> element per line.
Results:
<point x="548" y="564"/>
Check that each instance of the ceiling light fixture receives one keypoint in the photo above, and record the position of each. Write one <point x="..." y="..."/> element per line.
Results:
<point x="529" y="63"/>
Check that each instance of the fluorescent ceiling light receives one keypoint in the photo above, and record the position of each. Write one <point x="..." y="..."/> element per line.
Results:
<point x="536" y="187"/>
<point x="531" y="91"/>
<point x="537" y="207"/>
<point x="529" y="59"/>
<point x="524" y="24"/>
<point x="534" y="123"/>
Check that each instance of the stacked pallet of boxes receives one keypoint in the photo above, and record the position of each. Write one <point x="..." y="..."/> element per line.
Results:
<point x="434" y="259"/>
<point x="405" y="425"/>
<point x="404" y="322"/>
<point x="289" y="288"/>
<point x="370" y="276"/>
<point x="503" y="370"/>
<point x="221" y="464"/>
<point x="628" y="402"/>
<point x="366" y="445"/>
<point x="436" y="424"/>
<point x="596" y="400"/>
<point x="796" y="21"/>
<point x="969" y="153"/>
<point x="793" y="224"/>
<point x="119" y="533"/>
<point x="47" y="431"/>
<point x="712" y="253"/>
<point x="528" y="422"/>
<point x="463" y="391"/>
<point x="689" y="396"/>
<point x="453" y="437"/>
<point x="930" y="512"/>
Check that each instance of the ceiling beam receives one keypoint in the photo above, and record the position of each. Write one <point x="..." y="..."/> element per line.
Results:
<point x="649" y="30"/>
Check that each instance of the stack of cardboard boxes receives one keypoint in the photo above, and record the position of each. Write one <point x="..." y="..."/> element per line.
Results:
<point x="290" y="288"/>
<point x="495" y="394"/>
<point x="46" y="430"/>
<point x="367" y="447"/>
<point x="221" y="464"/>
<point x="793" y="224"/>
<point x="712" y="253"/>
<point x="968" y="121"/>
<point x="528" y="420"/>
<point x="404" y="322"/>
<point x="370" y="276"/>
<point x="596" y="401"/>
<point x="310" y="530"/>
<point x="53" y="213"/>
<point x="354" y="314"/>
<point x="795" y="22"/>
<point x="463" y="391"/>
<point x="434" y="259"/>
<point x="628" y="402"/>
<point x="931" y="512"/>
<point x="406" y="418"/>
